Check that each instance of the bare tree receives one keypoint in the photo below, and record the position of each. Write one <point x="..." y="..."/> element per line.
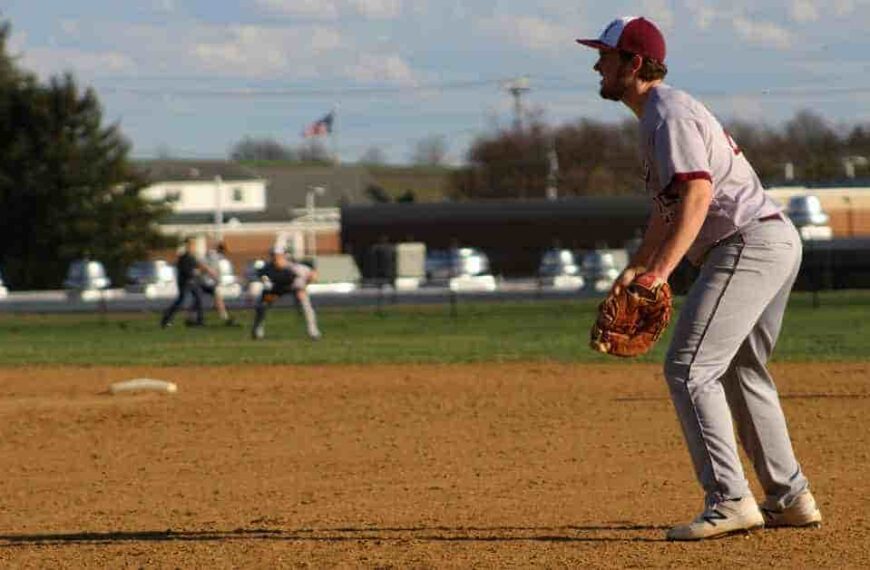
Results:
<point x="313" y="150"/>
<point x="251" y="148"/>
<point x="373" y="155"/>
<point x="430" y="150"/>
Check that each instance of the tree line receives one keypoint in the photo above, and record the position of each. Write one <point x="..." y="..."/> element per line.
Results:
<point x="590" y="157"/>
<point x="430" y="150"/>
<point x="67" y="188"/>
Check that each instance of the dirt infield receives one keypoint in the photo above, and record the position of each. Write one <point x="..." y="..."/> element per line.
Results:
<point x="520" y="465"/>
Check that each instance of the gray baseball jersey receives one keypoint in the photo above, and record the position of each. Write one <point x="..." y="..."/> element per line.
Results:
<point x="681" y="140"/>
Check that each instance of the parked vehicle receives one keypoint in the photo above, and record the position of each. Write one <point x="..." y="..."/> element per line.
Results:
<point x="86" y="275"/>
<point x="156" y="278"/>
<point x="86" y="280"/>
<point x="461" y="269"/>
<point x="599" y="269"/>
<point x="558" y="268"/>
<point x="809" y="217"/>
<point x="442" y="265"/>
<point x="806" y="211"/>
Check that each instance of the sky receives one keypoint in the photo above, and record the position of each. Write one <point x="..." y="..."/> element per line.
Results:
<point x="190" y="78"/>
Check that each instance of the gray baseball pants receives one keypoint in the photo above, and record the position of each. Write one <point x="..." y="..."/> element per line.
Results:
<point x="716" y="366"/>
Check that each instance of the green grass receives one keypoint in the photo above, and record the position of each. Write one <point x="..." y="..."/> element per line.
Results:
<point x="479" y="332"/>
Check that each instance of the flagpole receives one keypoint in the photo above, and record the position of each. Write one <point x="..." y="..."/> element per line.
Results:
<point x="333" y="135"/>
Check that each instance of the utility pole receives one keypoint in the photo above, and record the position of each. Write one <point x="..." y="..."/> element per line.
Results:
<point x="517" y="88"/>
<point x="219" y="208"/>
<point x="552" y="171"/>
<point x="311" y="211"/>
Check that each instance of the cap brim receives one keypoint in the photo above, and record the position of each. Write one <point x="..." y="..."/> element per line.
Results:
<point x="595" y="44"/>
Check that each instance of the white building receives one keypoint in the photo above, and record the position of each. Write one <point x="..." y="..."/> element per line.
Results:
<point x="205" y="187"/>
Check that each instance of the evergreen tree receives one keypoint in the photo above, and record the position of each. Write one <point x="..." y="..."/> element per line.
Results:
<point x="67" y="188"/>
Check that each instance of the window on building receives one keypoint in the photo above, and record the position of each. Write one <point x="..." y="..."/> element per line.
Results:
<point x="173" y="195"/>
<point x="238" y="195"/>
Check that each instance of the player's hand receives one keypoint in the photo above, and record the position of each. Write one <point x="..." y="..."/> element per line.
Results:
<point x="627" y="276"/>
<point x="647" y="284"/>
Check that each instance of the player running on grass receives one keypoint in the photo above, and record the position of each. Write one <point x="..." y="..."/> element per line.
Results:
<point x="709" y="206"/>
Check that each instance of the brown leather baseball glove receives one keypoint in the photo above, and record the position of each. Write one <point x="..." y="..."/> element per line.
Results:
<point x="631" y="319"/>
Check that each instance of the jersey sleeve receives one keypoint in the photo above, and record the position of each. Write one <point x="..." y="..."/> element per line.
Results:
<point x="680" y="153"/>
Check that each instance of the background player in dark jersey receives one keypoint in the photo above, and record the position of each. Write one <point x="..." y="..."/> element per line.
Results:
<point x="281" y="276"/>
<point x="188" y="269"/>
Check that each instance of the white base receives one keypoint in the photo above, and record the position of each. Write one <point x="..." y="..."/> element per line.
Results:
<point x="143" y="385"/>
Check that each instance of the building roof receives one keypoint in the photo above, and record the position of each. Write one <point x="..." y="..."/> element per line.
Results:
<point x="170" y="170"/>
<point x="289" y="184"/>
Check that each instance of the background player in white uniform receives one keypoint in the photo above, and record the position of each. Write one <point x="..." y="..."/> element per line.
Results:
<point x="710" y="206"/>
<point x="210" y="283"/>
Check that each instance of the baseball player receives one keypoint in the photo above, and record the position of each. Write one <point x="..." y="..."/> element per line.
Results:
<point x="709" y="205"/>
<point x="210" y="285"/>
<point x="281" y="276"/>
<point x="188" y="269"/>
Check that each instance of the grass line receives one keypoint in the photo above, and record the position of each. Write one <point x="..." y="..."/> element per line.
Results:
<point x="837" y="330"/>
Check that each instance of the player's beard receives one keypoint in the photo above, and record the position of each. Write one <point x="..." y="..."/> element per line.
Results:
<point x="615" y="89"/>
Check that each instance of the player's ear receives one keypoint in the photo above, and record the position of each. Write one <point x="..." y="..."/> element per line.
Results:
<point x="636" y="63"/>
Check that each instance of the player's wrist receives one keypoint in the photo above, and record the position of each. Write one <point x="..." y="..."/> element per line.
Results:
<point x="649" y="280"/>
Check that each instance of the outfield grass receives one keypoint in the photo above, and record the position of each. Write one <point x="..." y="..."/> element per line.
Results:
<point x="837" y="330"/>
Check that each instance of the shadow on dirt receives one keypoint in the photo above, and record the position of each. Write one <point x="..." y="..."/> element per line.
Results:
<point x="590" y="533"/>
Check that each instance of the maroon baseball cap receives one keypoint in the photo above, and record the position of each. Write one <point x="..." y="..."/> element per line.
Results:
<point x="631" y="34"/>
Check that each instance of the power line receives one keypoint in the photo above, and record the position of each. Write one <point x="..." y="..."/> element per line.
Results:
<point x="350" y="92"/>
<point x="246" y="92"/>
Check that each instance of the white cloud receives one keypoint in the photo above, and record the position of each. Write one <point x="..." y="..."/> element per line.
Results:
<point x="379" y="9"/>
<point x="765" y="34"/>
<point x="308" y="8"/>
<point x="165" y="6"/>
<point x="260" y="51"/>
<point x="803" y="11"/>
<point x="51" y="61"/>
<point x="380" y="67"/>
<point x="845" y="7"/>
<point x="70" y="28"/>
<point x="659" y="11"/>
<point x="529" y="32"/>
<point x="332" y="9"/>
<point x="703" y="15"/>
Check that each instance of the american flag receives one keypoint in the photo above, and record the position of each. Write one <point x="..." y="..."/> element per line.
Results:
<point x="320" y="127"/>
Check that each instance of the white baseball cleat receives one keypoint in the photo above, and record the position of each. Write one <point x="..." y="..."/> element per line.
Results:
<point x="721" y="519"/>
<point x="259" y="332"/>
<point x="803" y="511"/>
